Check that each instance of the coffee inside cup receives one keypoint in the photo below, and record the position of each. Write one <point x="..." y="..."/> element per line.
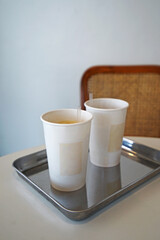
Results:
<point x="67" y="122"/>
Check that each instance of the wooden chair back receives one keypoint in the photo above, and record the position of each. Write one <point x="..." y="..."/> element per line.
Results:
<point x="138" y="85"/>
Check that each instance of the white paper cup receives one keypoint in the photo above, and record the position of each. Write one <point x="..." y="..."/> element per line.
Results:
<point x="107" y="130"/>
<point x="67" y="147"/>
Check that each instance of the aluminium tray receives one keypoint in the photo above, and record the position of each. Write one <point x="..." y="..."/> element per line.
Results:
<point x="138" y="163"/>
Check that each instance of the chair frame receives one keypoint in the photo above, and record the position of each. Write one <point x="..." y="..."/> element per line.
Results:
<point x="112" y="69"/>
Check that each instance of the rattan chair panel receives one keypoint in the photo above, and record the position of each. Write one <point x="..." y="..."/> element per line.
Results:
<point x="141" y="90"/>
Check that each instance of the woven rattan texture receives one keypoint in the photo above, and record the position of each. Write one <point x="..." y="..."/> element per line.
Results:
<point x="141" y="91"/>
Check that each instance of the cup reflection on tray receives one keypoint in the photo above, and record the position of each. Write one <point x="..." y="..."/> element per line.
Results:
<point x="74" y="200"/>
<point x="101" y="182"/>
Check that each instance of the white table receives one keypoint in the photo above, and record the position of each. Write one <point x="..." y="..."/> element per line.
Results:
<point x="25" y="214"/>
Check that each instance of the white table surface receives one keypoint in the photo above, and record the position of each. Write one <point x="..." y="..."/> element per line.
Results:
<point x="25" y="214"/>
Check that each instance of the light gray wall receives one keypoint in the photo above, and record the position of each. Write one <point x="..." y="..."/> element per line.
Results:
<point x="46" y="45"/>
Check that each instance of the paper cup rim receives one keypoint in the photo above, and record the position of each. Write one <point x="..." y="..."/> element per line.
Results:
<point x="106" y="109"/>
<point x="65" y="124"/>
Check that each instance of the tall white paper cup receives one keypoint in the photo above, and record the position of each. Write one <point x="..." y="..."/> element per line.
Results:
<point x="107" y="130"/>
<point x="67" y="147"/>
